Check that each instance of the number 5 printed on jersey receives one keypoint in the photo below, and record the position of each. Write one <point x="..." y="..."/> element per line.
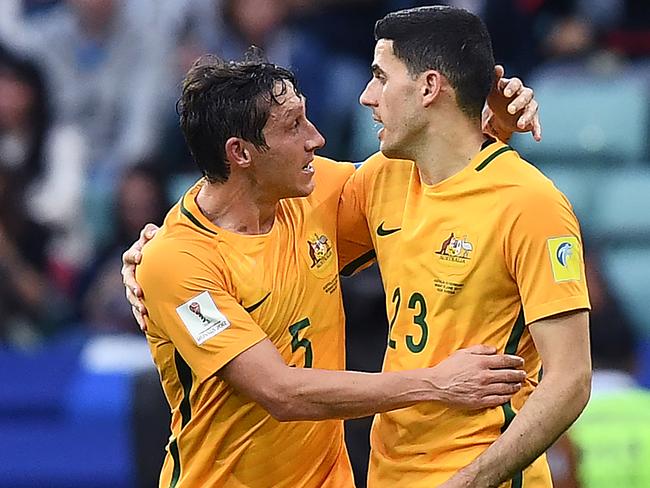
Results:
<point x="297" y="342"/>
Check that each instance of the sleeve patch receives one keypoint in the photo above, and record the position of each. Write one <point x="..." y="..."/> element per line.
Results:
<point x="202" y="317"/>
<point x="565" y="254"/>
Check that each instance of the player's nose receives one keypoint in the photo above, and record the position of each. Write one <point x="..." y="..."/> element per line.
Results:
<point x="367" y="99"/>
<point x="316" y="139"/>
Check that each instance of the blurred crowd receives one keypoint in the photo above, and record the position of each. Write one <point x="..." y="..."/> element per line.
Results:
<point x="89" y="142"/>
<point x="90" y="148"/>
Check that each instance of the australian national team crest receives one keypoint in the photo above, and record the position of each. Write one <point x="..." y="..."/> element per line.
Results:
<point x="456" y="248"/>
<point x="320" y="250"/>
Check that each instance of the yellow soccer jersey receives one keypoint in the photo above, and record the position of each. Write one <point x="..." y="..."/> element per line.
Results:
<point x="470" y="260"/>
<point x="211" y="294"/>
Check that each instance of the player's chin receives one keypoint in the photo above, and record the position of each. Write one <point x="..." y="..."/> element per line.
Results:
<point x="389" y="150"/>
<point x="308" y="189"/>
<point x="303" y="190"/>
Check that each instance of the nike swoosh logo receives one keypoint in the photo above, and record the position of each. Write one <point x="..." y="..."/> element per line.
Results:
<point x="255" y="306"/>
<point x="386" y="232"/>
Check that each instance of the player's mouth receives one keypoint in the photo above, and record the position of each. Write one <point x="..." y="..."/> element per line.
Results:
<point x="379" y="125"/>
<point x="308" y="168"/>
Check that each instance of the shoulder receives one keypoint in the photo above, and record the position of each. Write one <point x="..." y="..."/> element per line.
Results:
<point x="531" y="205"/>
<point x="178" y="253"/>
<point x="329" y="178"/>
<point x="330" y="172"/>
<point x="331" y="165"/>
<point x="539" y="193"/>
<point x="526" y="186"/>
<point x="378" y="171"/>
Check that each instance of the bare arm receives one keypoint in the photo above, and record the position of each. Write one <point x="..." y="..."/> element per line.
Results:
<point x="563" y="344"/>
<point x="470" y="378"/>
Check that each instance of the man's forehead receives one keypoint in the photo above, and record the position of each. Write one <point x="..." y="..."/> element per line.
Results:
<point x="289" y="105"/>
<point x="383" y="49"/>
<point x="288" y="101"/>
<point x="283" y="87"/>
<point x="384" y="58"/>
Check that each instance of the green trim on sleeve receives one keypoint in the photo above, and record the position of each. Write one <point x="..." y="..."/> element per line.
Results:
<point x="185" y="378"/>
<point x="176" y="473"/>
<point x="508" y="413"/>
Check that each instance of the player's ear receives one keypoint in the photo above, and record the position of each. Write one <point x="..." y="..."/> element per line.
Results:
<point x="237" y="152"/>
<point x="431" y="85"/>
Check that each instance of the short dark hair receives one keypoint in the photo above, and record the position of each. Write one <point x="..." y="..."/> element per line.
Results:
<point x="452" y="41"/>
<point x="222" y="99"/>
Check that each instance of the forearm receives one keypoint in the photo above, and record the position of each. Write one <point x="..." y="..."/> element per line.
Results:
<point x="312" y="394"/>
<point x="551" y="409"/>
<point x="470" y="378"/>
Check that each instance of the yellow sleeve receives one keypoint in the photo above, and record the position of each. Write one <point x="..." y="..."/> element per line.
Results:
<point x="544" y="254"/>
<point x="355" y="247"/>
<point x="189" y="304"/>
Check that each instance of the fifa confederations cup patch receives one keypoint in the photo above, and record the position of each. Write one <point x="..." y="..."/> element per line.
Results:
<point x="565" y="253"/>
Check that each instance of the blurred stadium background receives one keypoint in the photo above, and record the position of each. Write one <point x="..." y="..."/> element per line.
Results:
<point x="90" y="151"/>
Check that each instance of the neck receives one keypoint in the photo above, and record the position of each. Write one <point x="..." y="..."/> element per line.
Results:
<point x="236" y="207"/>
<point x="448" y="148"/>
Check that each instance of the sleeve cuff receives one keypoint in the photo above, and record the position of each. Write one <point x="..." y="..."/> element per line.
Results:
<point x="229" y="354"/>
<point x="538" y="312"/>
